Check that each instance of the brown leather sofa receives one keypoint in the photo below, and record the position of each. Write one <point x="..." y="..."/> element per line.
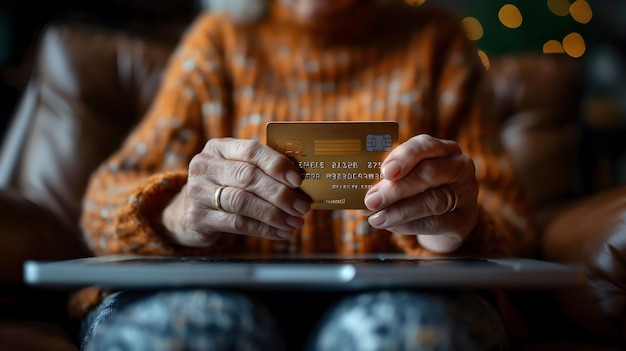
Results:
<point x="91" y="85"/>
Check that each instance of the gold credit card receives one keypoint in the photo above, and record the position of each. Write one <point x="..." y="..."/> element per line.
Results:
<point x="338" y="161"/>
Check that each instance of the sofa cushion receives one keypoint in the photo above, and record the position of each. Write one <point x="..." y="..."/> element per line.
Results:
<point x="537" y="97"/>
<point x="89" y="88"/>
<point x="593" y="232"/>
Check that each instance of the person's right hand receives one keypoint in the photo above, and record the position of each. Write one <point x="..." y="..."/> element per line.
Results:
<point x="260" y="195"/>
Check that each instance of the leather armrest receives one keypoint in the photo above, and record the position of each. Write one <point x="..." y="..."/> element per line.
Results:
<point x="593" y="232"/>
<point x="30" y="231"/>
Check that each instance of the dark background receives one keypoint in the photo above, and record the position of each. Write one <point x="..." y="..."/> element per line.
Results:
<point x="603" y="111"/>
<point x="22" y="21"/>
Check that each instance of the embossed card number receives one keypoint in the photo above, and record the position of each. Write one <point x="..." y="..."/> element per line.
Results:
<point x="339" y="161"/>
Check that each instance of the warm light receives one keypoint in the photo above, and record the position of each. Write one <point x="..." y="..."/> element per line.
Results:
<point x="473" y="28"/>
<point x="552" y="47"/>
<point x="510" y="16"/>
<point x="484" y="59"/>
<point x="414" y="2"/>
<point x="574" y="45"/>
<point x="559" y="7"/>
<point x="581" y="11"/>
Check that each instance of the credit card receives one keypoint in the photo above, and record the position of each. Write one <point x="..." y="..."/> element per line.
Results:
<point x="338" y="161"/>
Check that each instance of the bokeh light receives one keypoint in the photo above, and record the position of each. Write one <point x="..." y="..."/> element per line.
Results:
<point x="581" y="11"/>
<point x="559" y="7"/>
<point x="592" y="32"/>
<point x="546" y="26"/>
<point x="484" y="58"/>
<point x="473" y="27"/>
<point x="510" y="16"/>
<point x="574" y="45"/>
<point x="553" y="47"/>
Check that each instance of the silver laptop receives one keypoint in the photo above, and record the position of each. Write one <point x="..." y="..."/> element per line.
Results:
<point x="303" y="272"/>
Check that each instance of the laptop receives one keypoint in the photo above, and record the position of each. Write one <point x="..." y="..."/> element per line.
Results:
<point x="334" y="272"/>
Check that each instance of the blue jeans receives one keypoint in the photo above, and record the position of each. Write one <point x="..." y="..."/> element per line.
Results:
<point x="221" y="320"/>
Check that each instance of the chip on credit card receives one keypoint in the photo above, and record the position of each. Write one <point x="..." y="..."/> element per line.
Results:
<point x="338" y="161"/>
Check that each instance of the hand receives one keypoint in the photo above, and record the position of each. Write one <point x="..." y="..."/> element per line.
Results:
<point x="411" y="198"/>
<point x="260" y="198"/>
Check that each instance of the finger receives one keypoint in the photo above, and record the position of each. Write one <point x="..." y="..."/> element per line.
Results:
<point x="452" y="171"/>
<point x="270" y="161"/>
<point x="405" y="215"/>
<point x="407" y="155"/>
<point x="224" y="222"/>
<point x="246" y="176"/>
<point x="238" y="201"/>
<point x="442" y="234"/>
<point x="241" y="202"/>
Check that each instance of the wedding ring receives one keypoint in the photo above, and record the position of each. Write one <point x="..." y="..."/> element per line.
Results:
<point x="452" y="198"/>
<point x="218" y="198"/>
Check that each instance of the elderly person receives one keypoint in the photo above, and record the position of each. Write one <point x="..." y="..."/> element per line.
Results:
<point x="195" y="178"/>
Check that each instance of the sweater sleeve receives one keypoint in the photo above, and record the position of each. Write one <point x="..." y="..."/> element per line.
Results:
<point x="462" y="108"/>
<point x="127" y="194"/>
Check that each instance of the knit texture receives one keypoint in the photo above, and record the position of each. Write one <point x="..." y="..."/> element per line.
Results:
<point x="413" y="65"/>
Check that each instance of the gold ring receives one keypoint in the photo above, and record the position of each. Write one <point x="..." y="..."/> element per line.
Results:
<point x="218" y="198"/>
<point x="452" y="198"/>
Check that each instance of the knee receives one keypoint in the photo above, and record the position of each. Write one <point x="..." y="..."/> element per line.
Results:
<point x="403" y="320"/>
<point x="190" y="320"/>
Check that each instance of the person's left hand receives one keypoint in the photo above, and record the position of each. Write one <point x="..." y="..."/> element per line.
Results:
<point x="429" y="188"/>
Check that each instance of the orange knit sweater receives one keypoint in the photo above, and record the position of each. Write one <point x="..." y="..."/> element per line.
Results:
<point x="409" y="64"/>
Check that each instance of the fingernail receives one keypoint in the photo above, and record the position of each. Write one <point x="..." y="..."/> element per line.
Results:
<point x="373" y="201"/>
<point x="293" y="178"/>
<point x="391" y="170"/>
<point x="377" y="219"/>
<point x="295" y="222"/>
<point x="302" y="206"/>
<point x="284" y="234"/>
